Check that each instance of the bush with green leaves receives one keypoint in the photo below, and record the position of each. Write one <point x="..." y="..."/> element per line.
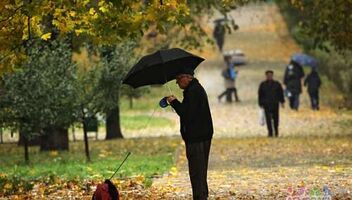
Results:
<point x="338" y="68"/>
<point x="42" y="93"/>
<point x="114" y="65"/>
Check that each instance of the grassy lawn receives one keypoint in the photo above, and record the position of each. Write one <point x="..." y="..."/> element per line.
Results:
<point x="150" y="157"/>
<point x="137" y="122"/>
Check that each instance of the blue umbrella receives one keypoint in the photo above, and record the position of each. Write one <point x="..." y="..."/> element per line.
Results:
<point x="305" y="60"/>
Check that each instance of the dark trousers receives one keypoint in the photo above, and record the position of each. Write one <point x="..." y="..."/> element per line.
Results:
<point x="314" y="99"/>
<point x="198" y="157"/>
<point x="272" y="115"/>
<point x="228" y="92"/>
<point x="294" y="101"/>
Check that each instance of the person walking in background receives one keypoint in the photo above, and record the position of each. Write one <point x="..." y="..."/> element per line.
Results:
<point x="196" y="129"/>
<point x="229" y="74"/>
<point x="293" y="82"/>
<point x="313" y="83"/>
<point x="219" y="33"/>
<point x="270" y="95"/>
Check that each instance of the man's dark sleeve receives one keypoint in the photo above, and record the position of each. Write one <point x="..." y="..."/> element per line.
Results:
<point x="286" y="76"/>
<point x="260" y="95"/>
<point x="188" y="111"/>
<point x="281" y="94"/>
<point x="319" y="81"/>
<point x="178" y="106"/>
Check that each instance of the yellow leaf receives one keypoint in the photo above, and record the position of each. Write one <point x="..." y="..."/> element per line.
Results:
<point x="92" y="11"/>
<point x="72" y="13"/>
<point x="46" y="36"/>
<point x="8" y="186"/>
<point x="78" y="31"/>
<point x="140" y="179"/>
<point x="103" y="9"/>
<point x="52" y="153"/>
<point x="85" y="2"/>
<point x="2" y="175"/>
<point x="173" y="171"/>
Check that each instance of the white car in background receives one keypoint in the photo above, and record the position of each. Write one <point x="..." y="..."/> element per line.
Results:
<point x="237" y="57"/>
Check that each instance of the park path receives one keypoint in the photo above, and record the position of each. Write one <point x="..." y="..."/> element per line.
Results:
<point x="243" y="162"/>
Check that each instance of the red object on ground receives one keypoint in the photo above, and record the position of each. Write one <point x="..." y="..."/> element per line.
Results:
<point x="106" y="191"/>
<point x="102" y="192"/>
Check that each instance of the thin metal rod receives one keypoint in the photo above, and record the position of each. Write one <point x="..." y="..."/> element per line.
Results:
<point x="128" y="154"/>
<point x="168" y="87"/>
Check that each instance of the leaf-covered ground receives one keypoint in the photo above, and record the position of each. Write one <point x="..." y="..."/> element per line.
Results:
<point x="67" y="175"/>
<point x="263" y="168"/>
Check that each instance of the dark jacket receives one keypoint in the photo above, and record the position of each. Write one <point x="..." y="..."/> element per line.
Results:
<point x="270" y="94"/>
<point x="292" y="78"/>
<point x="313" y="82"/>
<point x="194" y="112"/>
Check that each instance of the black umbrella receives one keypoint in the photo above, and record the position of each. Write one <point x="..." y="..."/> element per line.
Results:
<point x="161" y="67"/>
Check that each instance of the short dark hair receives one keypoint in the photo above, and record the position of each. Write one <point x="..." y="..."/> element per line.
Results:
<point x="187" y="70"/>
<point x="269" y="72"/>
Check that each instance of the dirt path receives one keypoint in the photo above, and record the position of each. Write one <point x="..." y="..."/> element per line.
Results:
<point x="243" y="162"/>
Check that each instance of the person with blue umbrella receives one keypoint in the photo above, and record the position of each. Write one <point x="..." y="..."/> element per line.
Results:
<point x="305" y="60"/>
<point x="293" y="82"/>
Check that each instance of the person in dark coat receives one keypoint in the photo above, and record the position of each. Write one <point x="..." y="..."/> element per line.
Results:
<point x="293" y="82"/>
<point x="270" y="95"/>
<point x="219" y="34"/>
<point x="196" y="129"/>
<point x="313" y="83"/>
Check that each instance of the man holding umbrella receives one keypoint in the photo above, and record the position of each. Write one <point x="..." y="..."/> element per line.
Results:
<point x="195" y="117"/>
<point x="196" y="129"/>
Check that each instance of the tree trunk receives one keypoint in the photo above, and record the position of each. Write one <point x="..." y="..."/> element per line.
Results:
<point x="113" y="129"/>
<point x="86" y="145"/>
<point x="26" y="154"/>
<point x="54" y="138"/>
<point x="73" y="133"/>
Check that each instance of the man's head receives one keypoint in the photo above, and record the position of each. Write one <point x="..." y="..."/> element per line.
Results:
<point x="184" y="78"/>
<point x="269" y="75"/>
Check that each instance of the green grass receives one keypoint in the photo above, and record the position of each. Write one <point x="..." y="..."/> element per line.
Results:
<point x="138" y="122"/>
<point x="150" y="157"/>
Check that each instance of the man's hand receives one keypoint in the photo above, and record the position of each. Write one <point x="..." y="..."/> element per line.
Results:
<point x="170" y="98"/>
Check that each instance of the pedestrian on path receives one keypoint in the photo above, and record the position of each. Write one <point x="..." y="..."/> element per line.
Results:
<point x="313" y="82"/>
<point x="293" y="82"/>
<point x="230" y="75"/>
<point x="270" y="95"/>
<point x="196" y="129"/>
<point x="219" y="34"/>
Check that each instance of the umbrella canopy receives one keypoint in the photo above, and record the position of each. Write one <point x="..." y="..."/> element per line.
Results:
<point x="161" y="67"/>
<point x="305" y="60"/>
<point x="220" y="20"/>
